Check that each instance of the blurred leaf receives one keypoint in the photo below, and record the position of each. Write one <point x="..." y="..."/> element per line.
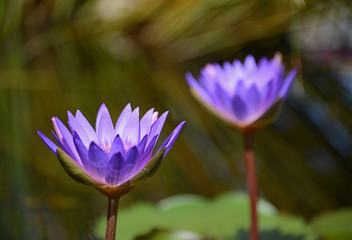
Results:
<point x="334" y="225"/>
<point x="171" y="235"/>
<point x="266" y="235"/>
<point x="133" y="222"/>
<point x="218" y="218"/>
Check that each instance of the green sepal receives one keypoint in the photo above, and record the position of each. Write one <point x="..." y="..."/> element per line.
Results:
<point x="146" y="172"/>
<point x="75" y="171"/>
<point x="149" y="169"/>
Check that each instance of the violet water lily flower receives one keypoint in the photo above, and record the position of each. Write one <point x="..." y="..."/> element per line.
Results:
<point x="111" y="158"/>
<point x="247" y="95"/>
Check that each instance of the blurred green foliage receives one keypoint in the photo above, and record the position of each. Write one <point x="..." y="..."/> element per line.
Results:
<point x="59" y="55"/>
<point x="219" y="218"/>
<point x="334" y="224"/>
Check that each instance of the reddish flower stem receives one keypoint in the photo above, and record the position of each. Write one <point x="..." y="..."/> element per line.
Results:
<point x="113" y="204"/>
<point x="251" y="183"/>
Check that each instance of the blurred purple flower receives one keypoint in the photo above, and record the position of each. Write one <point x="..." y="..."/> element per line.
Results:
<point x="112" y="159"/>
<point x="247" y="95"/>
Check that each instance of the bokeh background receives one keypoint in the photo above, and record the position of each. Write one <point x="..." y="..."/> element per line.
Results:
<point x="59" y="55"/>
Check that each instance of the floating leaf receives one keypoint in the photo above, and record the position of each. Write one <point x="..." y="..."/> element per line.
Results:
<point x="226" y="216"/>
<point x="334" y="225"/>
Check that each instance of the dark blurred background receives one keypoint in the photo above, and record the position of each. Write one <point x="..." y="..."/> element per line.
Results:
<point x="59" y="55"/>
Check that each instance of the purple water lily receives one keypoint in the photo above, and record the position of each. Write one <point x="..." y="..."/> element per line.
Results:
<point x="111" y="158"/>
<point x="247" y="95"/>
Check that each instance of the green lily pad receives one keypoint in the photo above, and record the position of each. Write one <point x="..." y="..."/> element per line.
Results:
<point x="334" y="225"/>
<point x="171" y="235"/>
<point x="225" y="217"/>
<point x="132" y="222"/>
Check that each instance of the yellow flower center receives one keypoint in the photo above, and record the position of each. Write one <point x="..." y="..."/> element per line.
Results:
<point x="106" y="147"/>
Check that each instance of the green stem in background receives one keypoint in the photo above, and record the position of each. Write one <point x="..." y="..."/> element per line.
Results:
<point x="113" y="204"/>
<point x="251" y="183"/>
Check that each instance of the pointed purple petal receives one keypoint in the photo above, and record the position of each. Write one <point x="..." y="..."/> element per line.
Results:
<point x="130" y="134"/>
<point x="82" y="151"/>
<point x="146" y="123"/>
<point x="223" y="98"/>
<point x="100" y="111"/>
<point x="239" y="108"/>
<point x="239" y="70"/>
<point x="145" y="157"/>
<point x="106" y="131"/>
<point x="52" y="146"/>
<point x="130" y="161"/>
<point x="117" y="146"/>
<point x="148" y="152"/>
<point x="123" y="118"/>
<point x="240" y="88"/>
<point x="115" y="170"/>
<point x="170" y="140"/>
<point x="276" y="61"/>
<point x="157" y="127"/>
<point x="265" y="91"/>
<point x="98" y="160"/>
<point x="268" y="92"/>
<point x="154" y="118"/>
<point x="249" y="63"/>
<point x="277" y="82"/>
<point x="287" y="82"/>
<point x="66" y="138"/>
<point x="86" y="126"/>
<point x="142" y="144"/>
<point x="62" y="146"/>
<point x="253" y="99"/>
<point x="263" y="62"/>
<point x="191" y="80"/>
<point x="76" y="127"/>
<point x="198" y="89"/>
